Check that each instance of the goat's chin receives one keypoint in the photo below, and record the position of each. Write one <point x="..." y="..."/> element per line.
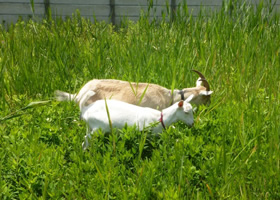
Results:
<point x="190" y="125"/>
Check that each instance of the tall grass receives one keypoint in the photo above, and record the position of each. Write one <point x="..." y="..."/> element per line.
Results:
<point x="232" y="152"/>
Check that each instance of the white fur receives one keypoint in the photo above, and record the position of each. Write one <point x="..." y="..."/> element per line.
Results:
<point x="121" y="113"/>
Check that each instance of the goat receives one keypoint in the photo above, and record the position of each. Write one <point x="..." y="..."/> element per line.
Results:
<point x="121" y="113"/>
<point x="142" y="94"/>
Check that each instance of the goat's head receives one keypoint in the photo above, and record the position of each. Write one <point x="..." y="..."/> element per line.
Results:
<point x="204" y="90"/>
<point x="184" y="111"/>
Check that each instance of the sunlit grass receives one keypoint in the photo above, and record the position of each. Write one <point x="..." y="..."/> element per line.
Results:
<point x="231" y="152"/>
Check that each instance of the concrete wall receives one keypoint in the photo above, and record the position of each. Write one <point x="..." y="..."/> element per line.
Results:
<point x="108" y="10"/>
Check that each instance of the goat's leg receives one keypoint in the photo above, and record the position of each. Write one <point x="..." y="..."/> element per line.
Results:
<point x="85" y="144"/>
<point x="85" y="98"/>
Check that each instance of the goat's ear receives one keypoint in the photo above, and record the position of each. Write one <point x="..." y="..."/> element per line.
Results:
<point x="206" y="93"/>
<point x="180" y="104"/>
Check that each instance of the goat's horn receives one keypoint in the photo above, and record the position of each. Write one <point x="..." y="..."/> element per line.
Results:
<point x="205" y="83"/>
<point x="199" y="73"/>
<point x="203" y="79"/>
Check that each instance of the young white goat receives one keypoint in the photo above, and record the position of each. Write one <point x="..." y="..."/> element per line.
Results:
<point x="121" y="113"/>
<point x="142" y="94"/>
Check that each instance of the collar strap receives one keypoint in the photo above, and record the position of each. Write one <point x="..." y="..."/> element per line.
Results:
<point x="172" y="97"/>
<point x="182" y="94"/>
<point x="161" y="121"/>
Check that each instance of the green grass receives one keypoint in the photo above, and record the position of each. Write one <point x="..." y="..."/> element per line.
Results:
<point x="232" y="152"/>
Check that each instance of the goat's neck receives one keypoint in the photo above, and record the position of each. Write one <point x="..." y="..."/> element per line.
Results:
<point x="177" y="95"/>
<point x="187" y="92"/>
<point x="169" y="115"/>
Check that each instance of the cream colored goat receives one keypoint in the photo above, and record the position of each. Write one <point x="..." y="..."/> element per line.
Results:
<point x="142" y="94"/>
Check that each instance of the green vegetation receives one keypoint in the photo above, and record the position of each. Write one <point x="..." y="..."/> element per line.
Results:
<point x="232" y="152"/>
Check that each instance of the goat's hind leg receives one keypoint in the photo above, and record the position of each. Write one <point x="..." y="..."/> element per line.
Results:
<point x="85" y="98"/>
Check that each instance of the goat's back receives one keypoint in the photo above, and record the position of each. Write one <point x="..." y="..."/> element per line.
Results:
<point x="143" y="94"/>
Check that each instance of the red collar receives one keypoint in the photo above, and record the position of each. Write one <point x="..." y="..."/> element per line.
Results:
<point x="161" y="121"/>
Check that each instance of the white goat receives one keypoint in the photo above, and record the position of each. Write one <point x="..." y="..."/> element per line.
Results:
<point x="142" y="94"/>
<point x="121" y="113"/>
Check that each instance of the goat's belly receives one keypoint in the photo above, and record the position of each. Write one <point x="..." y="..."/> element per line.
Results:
<point x="120" y="125"/>
<point x="140" y="123"/>
<point x="101" y="121"/>
<point x="121" y="121"/>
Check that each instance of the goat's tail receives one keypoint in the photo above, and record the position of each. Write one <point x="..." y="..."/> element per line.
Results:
<point x="64" y="96"/>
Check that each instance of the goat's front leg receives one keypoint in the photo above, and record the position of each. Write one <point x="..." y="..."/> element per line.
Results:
<point x="85" y="144"/>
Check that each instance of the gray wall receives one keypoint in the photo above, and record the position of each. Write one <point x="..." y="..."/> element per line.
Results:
<point x="10" y="10"/>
